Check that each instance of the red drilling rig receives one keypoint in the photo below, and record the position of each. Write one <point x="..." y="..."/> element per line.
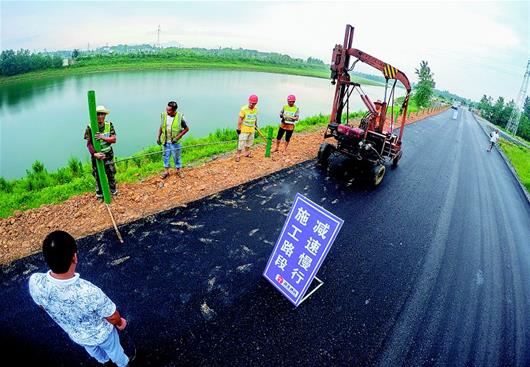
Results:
<point x="372" y="144"/>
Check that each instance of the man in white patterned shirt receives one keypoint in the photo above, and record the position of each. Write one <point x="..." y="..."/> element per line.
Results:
<point x="80" y="308"/>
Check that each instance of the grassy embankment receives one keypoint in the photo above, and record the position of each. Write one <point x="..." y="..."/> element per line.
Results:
<point x="520" y="158"/>
<point x="104" y="65"/>
<point x="411" y="108"/>
<point x="40" y="187"/>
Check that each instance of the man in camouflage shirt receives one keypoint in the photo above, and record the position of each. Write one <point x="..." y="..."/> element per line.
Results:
<point x="107" y="136"/>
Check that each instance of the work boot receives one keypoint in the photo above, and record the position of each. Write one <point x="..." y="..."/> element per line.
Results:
<point x="99" y="195"/>
<point x="114" y="192"/>
<point x="164" y="175"/>
<point x="180" y="174"/>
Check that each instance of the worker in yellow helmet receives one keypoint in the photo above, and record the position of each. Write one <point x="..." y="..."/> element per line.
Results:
<point x="246" y="125"/>
<point x="289" y="115"/>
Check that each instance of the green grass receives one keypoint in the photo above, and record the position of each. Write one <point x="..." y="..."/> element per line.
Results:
<point x="41" y="187"/>
<point x="411" y="108"/>
<point x="88" y="68"/>
<point x="520" y="158"/>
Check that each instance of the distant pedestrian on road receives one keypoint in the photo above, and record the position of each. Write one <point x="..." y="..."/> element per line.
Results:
<point x="106" y="136"/>
<point x="80" y="308"/>
<point x="172" y="128"/>
<point x="289" y="115"/>
<point x="494" y="138"/>
<point x="246" y="126"/>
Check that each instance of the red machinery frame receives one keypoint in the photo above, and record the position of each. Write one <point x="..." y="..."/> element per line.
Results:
<point x="340" y="68"/>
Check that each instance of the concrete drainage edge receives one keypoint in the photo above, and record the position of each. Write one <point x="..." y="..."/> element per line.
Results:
<point x="507" y="161"/>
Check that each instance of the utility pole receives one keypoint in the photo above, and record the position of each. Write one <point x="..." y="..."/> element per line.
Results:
<point x="513" y="123"/>
<point x="158" y="37"/>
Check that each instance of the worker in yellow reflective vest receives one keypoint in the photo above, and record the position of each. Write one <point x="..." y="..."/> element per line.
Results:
<point x="172" y="128"/>
<point x="246" y="125"/>
<point x="289" y="115"/>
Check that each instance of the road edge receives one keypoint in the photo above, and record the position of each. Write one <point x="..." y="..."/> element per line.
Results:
<point x="507" y="161"/>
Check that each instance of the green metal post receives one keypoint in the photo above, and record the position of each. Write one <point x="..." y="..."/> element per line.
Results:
<point x="97" y="146"/>
<point x="269" y="143"/>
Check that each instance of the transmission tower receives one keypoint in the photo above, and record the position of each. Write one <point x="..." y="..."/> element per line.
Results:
<point x="158" y="37"/>
<point x="513" y="123"/>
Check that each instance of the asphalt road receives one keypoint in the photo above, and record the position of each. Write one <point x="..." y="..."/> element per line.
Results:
<point x="432" y="268"/>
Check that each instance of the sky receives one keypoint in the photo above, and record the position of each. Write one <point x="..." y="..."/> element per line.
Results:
<point x="473" y="47"/>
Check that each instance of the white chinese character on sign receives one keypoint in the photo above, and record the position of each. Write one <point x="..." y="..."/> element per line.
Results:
<point x="296" y="229"/>
<point x="302" y="216"/>
<point x="321" y="229"/>
<point x="297" y="273"/>
<point x="287" y="248"/>
<point x="312" y="246"/>
<point x="281" y="262"/>
<point x="305" y="261"/>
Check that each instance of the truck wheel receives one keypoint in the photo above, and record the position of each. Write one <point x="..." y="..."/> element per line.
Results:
<point x="395" y="161"/>
<point x="324" y="152"/>
<point x="378" y="172"/>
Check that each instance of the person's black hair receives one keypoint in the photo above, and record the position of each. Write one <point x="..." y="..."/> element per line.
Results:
<point x="173" y="105"/>
<point x="58" y="249"/>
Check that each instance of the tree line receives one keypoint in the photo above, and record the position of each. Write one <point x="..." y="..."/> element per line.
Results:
<point x="22" y="61"/>
<point x="498" y="112"/>
<point x="182" y="54"/>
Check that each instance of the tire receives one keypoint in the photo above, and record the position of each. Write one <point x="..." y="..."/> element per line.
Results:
<point x="337" y="167"/>
<point x="377" y="174"/>
<point x="395" y="161"/>
<point x="324" y="152"/>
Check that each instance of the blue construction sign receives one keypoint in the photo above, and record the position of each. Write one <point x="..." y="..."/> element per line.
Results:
<point x="304" y="242"/>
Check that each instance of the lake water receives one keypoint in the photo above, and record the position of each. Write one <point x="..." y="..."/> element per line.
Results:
<point x="45" y="120"/>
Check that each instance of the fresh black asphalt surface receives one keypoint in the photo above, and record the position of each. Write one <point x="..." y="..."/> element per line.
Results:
<point x="432" y="268"/>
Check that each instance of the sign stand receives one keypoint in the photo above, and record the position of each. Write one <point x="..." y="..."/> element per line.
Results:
<point x="321" y="283"/>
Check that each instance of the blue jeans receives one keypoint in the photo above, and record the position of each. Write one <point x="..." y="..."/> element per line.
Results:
<point x="109" y="349"/>
<point x="174" y="150"/>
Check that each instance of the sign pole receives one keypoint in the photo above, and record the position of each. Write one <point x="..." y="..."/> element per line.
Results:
<point x="104" y="183"/>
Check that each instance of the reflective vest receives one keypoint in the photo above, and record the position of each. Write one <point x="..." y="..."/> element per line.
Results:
<point x="105" y="147"/>
<point x="251" y="116"/>
<point x="289" y="114"/>
<point x="176" y="127"/>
